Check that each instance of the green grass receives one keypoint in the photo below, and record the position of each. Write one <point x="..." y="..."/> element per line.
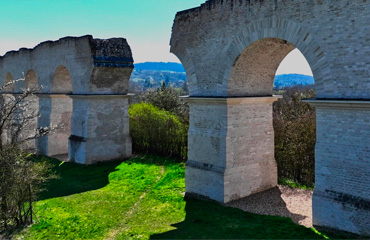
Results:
<point x="142" y="198"/>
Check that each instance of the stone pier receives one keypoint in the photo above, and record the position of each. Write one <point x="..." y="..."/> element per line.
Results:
<point x="56" y="109"/>
<point x="100" y="128"/>
<point x="231" y="147"/>
<point x="340" y="198"/>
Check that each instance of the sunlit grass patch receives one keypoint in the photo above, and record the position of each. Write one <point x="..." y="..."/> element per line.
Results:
<point x="143" y="198"/>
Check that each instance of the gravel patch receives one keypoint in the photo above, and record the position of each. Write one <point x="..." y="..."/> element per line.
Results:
<point x="280" y="201"/>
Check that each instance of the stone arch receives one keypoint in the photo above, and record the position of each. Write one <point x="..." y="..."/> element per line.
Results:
<point x="230" y="133"/>
<point x="263" y="32"/>
<point x="185" y="58"/>
<point x="61" y="82"/>
<point x="254" y="70"/>
<point x="239" y="111"/>
<point x="31" y="80"/>
<point x="8" y="79"/>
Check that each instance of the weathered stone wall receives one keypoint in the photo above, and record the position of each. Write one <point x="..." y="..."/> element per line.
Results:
<point x="60" y="115"/>
<point x="30" y="129"/>
<point x="254" y="71"/>
<point x="102" y="129"/>
<point x="341" y="199"/>
<point x="83" y="67"/>
<point x="332" y="35"/>
<point x="232" y="48"/>
<point x="80" y="56"/>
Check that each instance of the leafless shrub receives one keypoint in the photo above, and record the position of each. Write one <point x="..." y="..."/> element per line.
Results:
<point x="20" y="177"/>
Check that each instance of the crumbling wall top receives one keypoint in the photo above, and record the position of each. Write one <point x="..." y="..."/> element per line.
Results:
<point x="114" y="52"/>
<point x="94" y="66"/>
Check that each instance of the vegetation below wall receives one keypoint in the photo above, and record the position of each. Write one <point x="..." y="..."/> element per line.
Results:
<point x="142" y="198"/>
<point x="295" y="136"/>
<point x="20" y="176"/>
<point x="157" y="131"/>
<point x="20" y="180"/>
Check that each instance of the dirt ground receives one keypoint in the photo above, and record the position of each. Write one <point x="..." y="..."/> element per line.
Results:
<point x="280" y="201"/>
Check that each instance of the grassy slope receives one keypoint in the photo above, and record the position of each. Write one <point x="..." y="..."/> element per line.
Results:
<point x="142" y="198"/>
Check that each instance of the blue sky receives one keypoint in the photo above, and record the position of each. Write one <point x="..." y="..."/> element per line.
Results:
<point x="146" y="24"/>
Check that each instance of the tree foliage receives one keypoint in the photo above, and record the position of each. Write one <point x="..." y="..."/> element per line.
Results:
<point x="157" y="131"/>
<point x="295" y="136"/>
<point x="168" y="99"/>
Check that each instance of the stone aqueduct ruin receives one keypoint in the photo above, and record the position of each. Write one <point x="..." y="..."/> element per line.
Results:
<point x="231" y="50"/>
<point x="85" y="88"/>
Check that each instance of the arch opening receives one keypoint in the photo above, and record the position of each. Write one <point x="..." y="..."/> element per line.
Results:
<point x="31" y="80"/>
<point x="276" y="139"/>
<point x="8" y="79"/>
<point x="61" y="81"/>
<point x="254" y="70"/>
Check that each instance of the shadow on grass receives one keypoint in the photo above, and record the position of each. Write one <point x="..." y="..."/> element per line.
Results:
<point x="75" y="178"/>
<point x="211" y="220"/>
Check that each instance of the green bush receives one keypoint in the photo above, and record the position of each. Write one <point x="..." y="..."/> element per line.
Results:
<point x="168" y="99"/>
<point x="157" y="131"/>
<point x="295" y="136"/>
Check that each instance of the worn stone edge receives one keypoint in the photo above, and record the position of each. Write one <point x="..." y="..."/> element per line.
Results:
<point x="339" y="104"/>
<point x="230" y="100"/>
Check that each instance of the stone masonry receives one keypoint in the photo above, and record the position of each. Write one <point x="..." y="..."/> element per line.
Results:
<point x="243" y="134"/>
<point x="85" y="91"/>
<point x="231" y="50"/>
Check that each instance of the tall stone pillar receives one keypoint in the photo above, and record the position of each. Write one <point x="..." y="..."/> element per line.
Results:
<point x="43" y="121"/>
<point x="55" y="110"/>
<point x="341" y="198"/>
<point x="231" y="147"/>
<point x="100" y="128"/>
<point x="30" y="129"/>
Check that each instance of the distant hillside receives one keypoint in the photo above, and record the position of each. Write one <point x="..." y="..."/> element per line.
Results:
<point x="289" y="80"/>
<point x="160" y="66"/>
<point x="153" y="74"/>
